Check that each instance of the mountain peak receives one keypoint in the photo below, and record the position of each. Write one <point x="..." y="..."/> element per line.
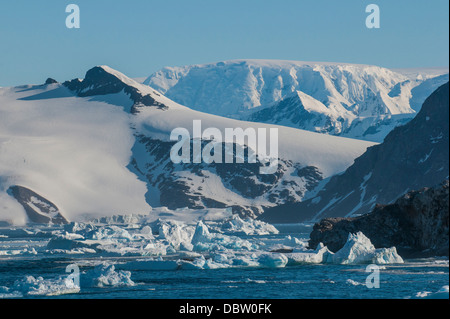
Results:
<point x="412" y="156"/>
<point x="103" y="80"/>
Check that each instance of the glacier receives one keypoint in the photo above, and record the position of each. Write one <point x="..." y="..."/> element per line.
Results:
<point x="351" y="100"/>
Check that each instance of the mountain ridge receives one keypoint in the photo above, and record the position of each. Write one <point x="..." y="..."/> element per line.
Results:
<point x="86" y="151"/>
<point x="364" y="101"/>
<point x="411" y="157"/>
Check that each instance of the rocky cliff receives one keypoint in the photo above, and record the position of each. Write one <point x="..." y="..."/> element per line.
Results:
<point x="38" y="209"/>
<point x="417" y="224"/>
<point x="411" y="157"/>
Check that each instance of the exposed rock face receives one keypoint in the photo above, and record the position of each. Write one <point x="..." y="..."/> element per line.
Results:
<point x="50" y="81"/>
<point x="192" y="185"/>
<point x="417" y="224"/>
<point x="412" y="156"/>
<point x="39" y="210"/>
<point x="100" y="80"/>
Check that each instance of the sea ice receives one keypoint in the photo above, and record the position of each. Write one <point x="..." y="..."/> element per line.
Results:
<point x="321" y="255"/>
<point x="248" y="226"/>
<point x="203" y="240"/>
<point x="272" y="260"/>
<point x="442" y="293"/>
<point x="177" y="234"/>
<point x="151" y="264"/>
<point x="6" y="292"/>
<point x="203" y="263"/>
<point x="295" y="242"/>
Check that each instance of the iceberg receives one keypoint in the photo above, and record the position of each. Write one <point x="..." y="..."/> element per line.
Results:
<point x="105" y="275"/>
<point x="177" y="234"/>
<point x="359" y="250"/>
<point x="14" y="252"/>
<point x="203" y="263"/>
<point x="248" y="226"/>
<point x="203" y="240"/>
<point x="202" y="234"/>
<point x="110" y="232"/>
<point x="231" y="259"/>
<point x="321" y="255"/>
<point x="31" y="286"/>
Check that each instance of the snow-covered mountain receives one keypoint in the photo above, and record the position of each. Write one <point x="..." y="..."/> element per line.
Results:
<point x="413" y="156"/>
<point x="100" y="146"/>
<point x="357" y="101"/>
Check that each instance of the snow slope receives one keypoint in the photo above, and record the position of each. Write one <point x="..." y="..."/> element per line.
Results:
<point x="100" y="146"/>
<point x="358" y="101"/>
<point x="69" y="149"/>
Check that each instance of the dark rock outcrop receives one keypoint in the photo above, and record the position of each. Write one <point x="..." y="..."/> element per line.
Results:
<point x="176" y="190"/>
<point x="39" y="210"/>
<point x="98" y="81"/>
<point x="412" y="156"/>
<point x="50" y="81"/>
<point x="417" y="224"/>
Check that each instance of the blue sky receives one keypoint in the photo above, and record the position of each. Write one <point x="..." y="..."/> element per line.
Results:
<point x="138" y="37"/>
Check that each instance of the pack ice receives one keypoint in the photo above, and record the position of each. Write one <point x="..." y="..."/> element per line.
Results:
<point x="171" y="245"/>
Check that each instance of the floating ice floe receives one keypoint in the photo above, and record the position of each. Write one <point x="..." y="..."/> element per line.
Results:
<point x="295" y="242"/>
<point x="15" y="252"/>
<point x="105" y="275"/>
<point x="213" y="242"/>
<point x="31" y="286"/>
<point x="442" y="293"/>
<point x="230" y="259"/>
<point x="357" y="250"/>
<point x="354" y="283"/>
<point x="6" y="292"/>
<point x="247" y="226"/>
<point x="75" y="251"/>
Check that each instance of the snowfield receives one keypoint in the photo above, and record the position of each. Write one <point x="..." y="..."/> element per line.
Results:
<point x="72" y="150"/>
